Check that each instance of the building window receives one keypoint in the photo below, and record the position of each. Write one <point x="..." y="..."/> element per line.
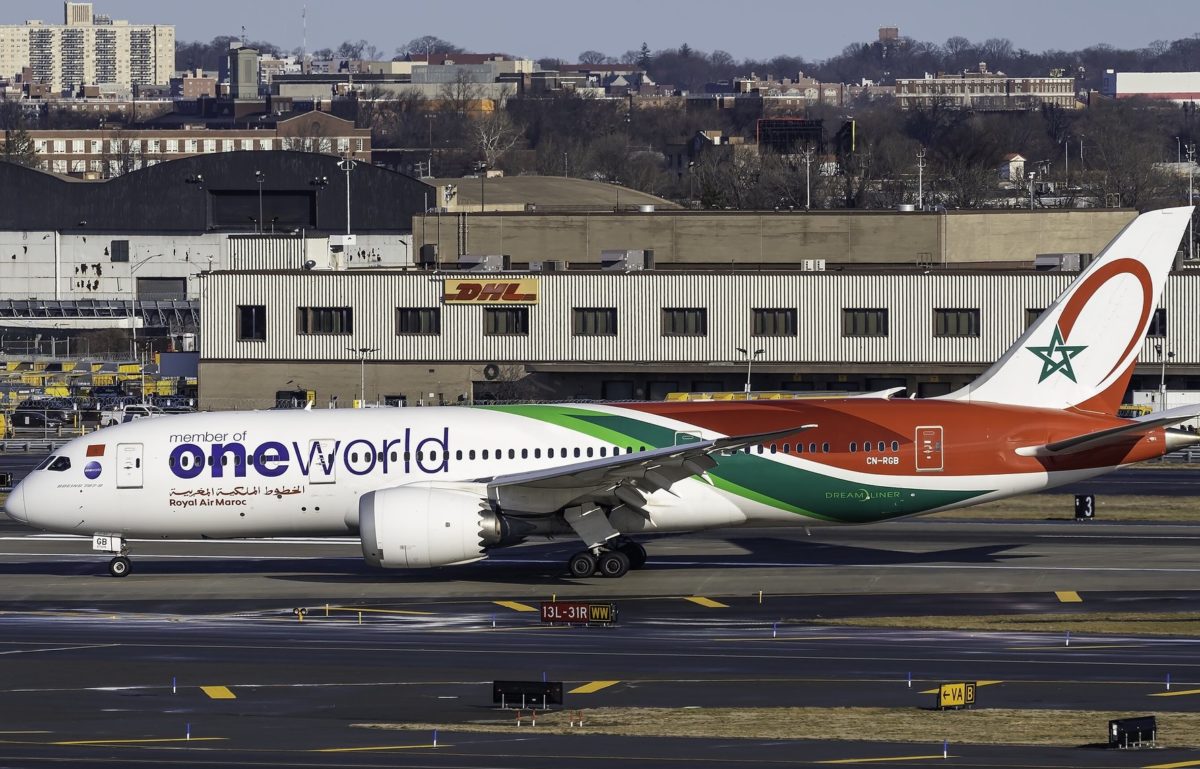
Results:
<point x="864" y="322"/>
<point x="594" y="321"/>
<point x="1158" y="324"/>
<point x="1032" y="314"/>
<point x="119" y="250"/>
<point x="324" y="320"/>
<point x="418" y="320"/>
<point x="506" y="321"/>
<point x="252" y="322"/>
<point x="773" y="322"/>
<point x="956" y="322"/>
<point x="684" y="321"/>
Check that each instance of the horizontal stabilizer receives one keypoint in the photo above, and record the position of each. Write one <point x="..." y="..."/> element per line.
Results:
<point x="1121" y="434"/>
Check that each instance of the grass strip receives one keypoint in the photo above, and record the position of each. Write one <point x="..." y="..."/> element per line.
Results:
<point x="1110" y="623"/>
<point x="1111" y="507"/>
<point x="984" y="726"/>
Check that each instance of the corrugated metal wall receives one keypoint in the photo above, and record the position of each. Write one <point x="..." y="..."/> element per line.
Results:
<point x="639" y="298"/>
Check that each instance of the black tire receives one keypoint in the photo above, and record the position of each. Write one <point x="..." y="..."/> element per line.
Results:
<point x="614" y="564"/>
<point x="636" y="554"/>
<point x="119" y="566"/>
<point x="582" y="565"/>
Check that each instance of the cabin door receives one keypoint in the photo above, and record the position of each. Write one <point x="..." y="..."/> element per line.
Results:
<point x="929" y="449"/>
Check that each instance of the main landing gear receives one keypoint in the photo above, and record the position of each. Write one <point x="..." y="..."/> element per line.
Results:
<point x="614" y="562"/>
<point x="107" y="543"/>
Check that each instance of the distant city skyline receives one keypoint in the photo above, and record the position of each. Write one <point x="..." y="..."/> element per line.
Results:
<point x="764" y="30"/>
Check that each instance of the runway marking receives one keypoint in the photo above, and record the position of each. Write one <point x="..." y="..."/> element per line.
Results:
<point x="381" y="611"/>
<point x="934" y="691"/>
<point x="791" y="638"/>
<point x="1179" y="765"/>
<point x="515" y="605"/>
<point x="138" y="742"/>
<point x="593" y="687"/>
<point x="1068" y="596"/>
<point x="218" y="692"/>
<point x="706" y="602"/>
<point x="1075" y="646"/>
<point x="27" y="731"/>
<point x="882" y="760"/>
<point x="59" y="649"/>
<point x="1181" y="693"/>
<point x="380" y="747"/>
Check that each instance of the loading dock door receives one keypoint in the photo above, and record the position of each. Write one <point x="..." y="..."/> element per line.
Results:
<point x="929" y="448"/>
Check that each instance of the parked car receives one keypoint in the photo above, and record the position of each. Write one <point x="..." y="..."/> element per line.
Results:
<point x="33" y="421"/>
<point x="140" y="411"/>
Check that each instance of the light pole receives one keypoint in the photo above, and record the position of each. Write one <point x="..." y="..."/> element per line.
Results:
<point x="1067" y="162"/>
<point x="430" y="117"/>
<point x="347" y="165"/>
<point x="1191" y="156"/>
<point x="1162" y="382"/>
<point x="750" y="356"/>
<point x="259" y="178"/>
<point x="1178" y="154"/>
<point x="808" y="156"/>
<point x="482" y="167"/>
<point x="921" y="180"/>
<point x="1032" y="176"/>
<point x="363" y="352"/>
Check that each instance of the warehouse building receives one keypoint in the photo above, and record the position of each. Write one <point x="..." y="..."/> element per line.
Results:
<point x="423" y="338"/>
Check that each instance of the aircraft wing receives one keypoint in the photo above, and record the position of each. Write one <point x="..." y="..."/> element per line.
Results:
<point x="628" y="477"/>
<point x="1120" y="434"/>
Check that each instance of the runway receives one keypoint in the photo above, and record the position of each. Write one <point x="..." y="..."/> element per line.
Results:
<point x="197" y="657"/>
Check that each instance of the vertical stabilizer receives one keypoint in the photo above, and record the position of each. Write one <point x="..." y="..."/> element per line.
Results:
<point x="1082" y="350"/>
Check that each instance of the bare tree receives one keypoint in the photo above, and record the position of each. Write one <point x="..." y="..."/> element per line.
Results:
<point x="594" y="57"/>
<point x="18" y="146"/>
<point x="495" y="134"/>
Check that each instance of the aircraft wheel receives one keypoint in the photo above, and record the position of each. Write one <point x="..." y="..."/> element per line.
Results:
<point x="582" y="564"/>
<point x="119" y="566"/>
<point x="636" y="554"/>
<point x="614" y="564"/>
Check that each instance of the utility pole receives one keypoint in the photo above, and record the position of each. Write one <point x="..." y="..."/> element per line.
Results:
<point x="362" y="371"/>
<point x="260" y="177"/>
<point x="808" y="156"/>
<point x="921" y="180"/>
<point x="1032" y="176"/>
<point x="1067" y="162"/>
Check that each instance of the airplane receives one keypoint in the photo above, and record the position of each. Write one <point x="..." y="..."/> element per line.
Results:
<point x="442" y="486"/>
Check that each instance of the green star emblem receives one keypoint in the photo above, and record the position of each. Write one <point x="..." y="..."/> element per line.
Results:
<point x="1057" y="357"/>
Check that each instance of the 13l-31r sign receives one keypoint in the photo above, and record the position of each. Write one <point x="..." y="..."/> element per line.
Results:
<point x="518" y="291"/>
<point x="579" y="612"/>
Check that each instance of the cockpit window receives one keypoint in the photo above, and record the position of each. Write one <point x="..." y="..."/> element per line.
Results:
<point x="45" y="463"/>
<point x="59" y="464"/>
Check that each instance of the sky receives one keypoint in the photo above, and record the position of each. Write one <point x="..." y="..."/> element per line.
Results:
<point x="762" y="29"/>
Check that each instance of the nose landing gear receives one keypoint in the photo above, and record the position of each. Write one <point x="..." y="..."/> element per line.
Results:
<point x="108" y="543"/>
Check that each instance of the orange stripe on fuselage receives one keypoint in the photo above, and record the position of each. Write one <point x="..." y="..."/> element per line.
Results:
<point x="978" y="438"/>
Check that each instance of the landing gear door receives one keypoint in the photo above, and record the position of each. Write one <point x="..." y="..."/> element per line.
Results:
<point x="129" y="465"/>
<point x="929" y="449"/>
<point x="322" y="461"/>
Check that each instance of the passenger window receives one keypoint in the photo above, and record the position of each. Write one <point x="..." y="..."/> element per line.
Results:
<point x="354" y="456"/>
<point x="537" y="453"/>
<point x="787" y="448"/>
<point x="799" y="448"/>
<point x="224" y="460"/>
<point x="458" y="454"/>
<point x="420" y="455"/>
<point x="895" y="445"/>
<point x="825" y="447"/>
<point x="576" y="452"/>
<point x="484" y="454"/>
<point x="60" y="464"/>
<point x="550" y="453"/>
<point x="471" y="454"/>
<point x="589" y="452"/>
<point x="394" y="456"/>
<point x="524" y="454"/>
<point x="853" y="447"/>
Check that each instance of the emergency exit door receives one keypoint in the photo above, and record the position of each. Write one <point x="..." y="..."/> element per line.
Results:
<point x="929" y="448"/>
<point x="129" y="465"/>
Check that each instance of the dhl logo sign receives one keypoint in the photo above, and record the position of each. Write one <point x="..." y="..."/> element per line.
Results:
<point x="519" y="291"/>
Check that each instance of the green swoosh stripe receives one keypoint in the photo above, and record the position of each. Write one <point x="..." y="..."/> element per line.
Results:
<point x="793" y="489"/>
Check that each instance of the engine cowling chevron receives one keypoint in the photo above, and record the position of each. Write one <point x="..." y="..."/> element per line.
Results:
<point x="420" y="526"/>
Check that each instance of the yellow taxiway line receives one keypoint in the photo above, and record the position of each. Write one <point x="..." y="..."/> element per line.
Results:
<point x="882" y="760"/>
<point x="593" y="687"/>
<point x="379" y="747"/>
<point x="138" y="742"/>
<point x="515" y="605"/>
<point x="977" y="684"/>
<point x="706" y="602"/>
<point x="1180" y="693"/>
<point x="219" y="692"/>
<point x="1068" y="596"/>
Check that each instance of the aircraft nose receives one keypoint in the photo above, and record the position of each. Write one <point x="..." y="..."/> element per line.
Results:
<point x="15" y="505"/>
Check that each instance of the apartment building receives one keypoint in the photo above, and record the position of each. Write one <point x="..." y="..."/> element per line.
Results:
<point x="106" y="153"/>
<point x="984" y="90"/>
<point x="88" y="48"/>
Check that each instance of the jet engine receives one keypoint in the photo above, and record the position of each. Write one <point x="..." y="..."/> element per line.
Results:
<point x="422" y="526"/>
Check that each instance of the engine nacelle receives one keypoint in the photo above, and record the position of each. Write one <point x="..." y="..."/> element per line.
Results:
<point x="421" y="526"/>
